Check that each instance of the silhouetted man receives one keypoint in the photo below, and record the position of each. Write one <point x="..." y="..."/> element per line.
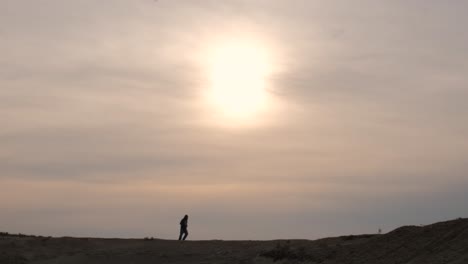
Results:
<point x="183" y="228"/>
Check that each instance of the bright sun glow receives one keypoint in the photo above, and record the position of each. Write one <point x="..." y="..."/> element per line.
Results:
<point x="238" y="75"/>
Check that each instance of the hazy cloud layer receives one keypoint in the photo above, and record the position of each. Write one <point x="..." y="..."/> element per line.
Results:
<point x="102" y="118"/>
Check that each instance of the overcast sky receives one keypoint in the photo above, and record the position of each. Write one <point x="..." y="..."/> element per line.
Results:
<point x="105" y="132"/>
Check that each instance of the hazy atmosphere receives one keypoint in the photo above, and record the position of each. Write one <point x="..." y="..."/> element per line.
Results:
<point x="260" y="119"/>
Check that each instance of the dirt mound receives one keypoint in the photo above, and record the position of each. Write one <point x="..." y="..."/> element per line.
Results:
<point x="440" y="243"/>
<point x="444" y="243"/>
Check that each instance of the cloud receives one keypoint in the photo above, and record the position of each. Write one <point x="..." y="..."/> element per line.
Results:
<point x="102" y="118"/>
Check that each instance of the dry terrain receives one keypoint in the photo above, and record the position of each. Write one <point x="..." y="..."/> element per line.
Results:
<point x="445" y="242"/>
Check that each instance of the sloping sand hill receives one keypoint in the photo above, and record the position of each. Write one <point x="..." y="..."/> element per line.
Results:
<point x="445" y="242"/>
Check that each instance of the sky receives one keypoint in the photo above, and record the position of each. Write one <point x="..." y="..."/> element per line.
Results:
<point x="260" y="119"/>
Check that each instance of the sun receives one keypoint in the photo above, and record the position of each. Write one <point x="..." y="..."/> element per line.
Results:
<point x="238" y="75"/>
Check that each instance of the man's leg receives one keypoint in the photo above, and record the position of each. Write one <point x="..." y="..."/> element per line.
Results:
<point x="181" y="233"/>
<point x="185" y="234"/>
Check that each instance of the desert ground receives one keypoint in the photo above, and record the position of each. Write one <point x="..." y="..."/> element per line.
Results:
<point x="444" y="243"/>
